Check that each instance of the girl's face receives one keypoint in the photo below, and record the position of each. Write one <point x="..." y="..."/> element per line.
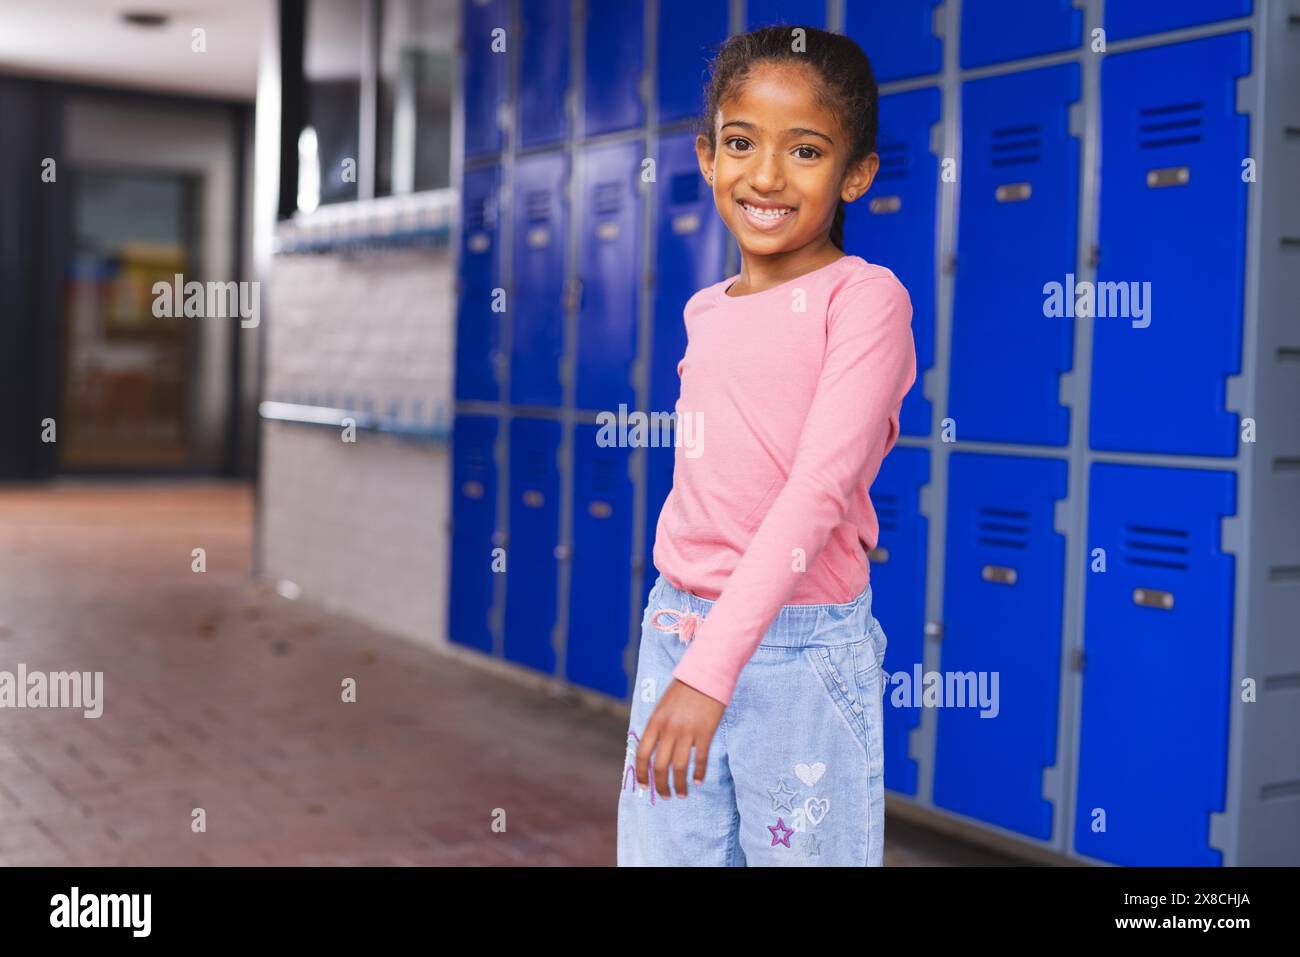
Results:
<point x="780" y="166"/>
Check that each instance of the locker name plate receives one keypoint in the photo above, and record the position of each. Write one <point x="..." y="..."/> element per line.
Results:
<point x="599" y="509"/>
<point x="533" y="498"/>
<point x="1151" y="598"/>
<point x="878" y="555"/>
<point x="1169" y="176"/>
<point x="999" y="574"/>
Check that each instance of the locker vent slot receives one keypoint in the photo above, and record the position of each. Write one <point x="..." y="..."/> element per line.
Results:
<point x="894" y="161"/>
<point x="609" y="198"/>
<point x="1153" y="547"/>
<point x="1017" y="145"/>
<point x="1003" y="527"/>
<point x="477" y="218"/>
<point x="1172" y="125"/>
<point x="537" y="205"/>
<point x="685" y="188"/>
<point x="886" y="511"/>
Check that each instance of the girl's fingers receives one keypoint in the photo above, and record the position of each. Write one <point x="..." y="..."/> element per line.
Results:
<point x="644" y="752"/>
<point x="701" y="759"/>
<point x="666" y="745"/>
<point x="681" y="764"/>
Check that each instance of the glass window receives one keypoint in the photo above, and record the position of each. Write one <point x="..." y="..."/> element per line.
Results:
<point x="328" y="146"/>
<point x="413" y="148"/>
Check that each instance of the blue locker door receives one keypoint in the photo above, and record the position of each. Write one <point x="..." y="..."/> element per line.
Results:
<point x="1153" y="740"/>
<point x="537" y="296"/>
<point x="659" y="483"/>
<point x="1125" y="20"/>
<point x="1172" y="229"/>
<point x="543" y="71"/>
<point x="601" y="584"/>
<point x="898" y="597"/>
<point x="898" y="36"/>
<point x="894" y="225"/>
<point x="484" y="76"/>
<point x="473" y="530"/>
<point x="609" y="265"/>
<point x="689" y="30"/>
<point x="766" y="13"/>
<point x="615" y="60"/>
<point x="478" y="325"/>
<point x="532" y="581"/>
<point x="995" y="31"/>
<point x="1018" y="228"/>
<point x="1003" y="594"/>
<point x="690" y="254"/>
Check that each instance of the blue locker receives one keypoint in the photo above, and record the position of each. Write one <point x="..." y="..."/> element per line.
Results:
<point x="1004" y="577"/>
<point x="609" y="266"/>
<point x="532" y="581"/>
<point x="1124" y="20"/>
<point x="659" y="483"/>
<point x="690" y="254"/>
<point x="473" y="531"/>
<point x="484" y="75"/>
<point x="537" y="297"/>
<point x="478" y="327"/>
<point x="601" y="584"/>
<point x="689" y="32"/>
<point x="766" y="13"/>
<point x="894" y="225"/>
<point x="1157" y="678"/>
<point x="1017" y="232"/>
<point x="995" y="31"/>
<point x="898" y="597"/>
<point x="898" y="36"/>
<point x="1172" y="227"/>
<point x="615" y="60"/>
<point x="543" y="71"/>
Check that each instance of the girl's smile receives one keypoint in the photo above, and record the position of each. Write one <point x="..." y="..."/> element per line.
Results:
<point x="766" y="217"/>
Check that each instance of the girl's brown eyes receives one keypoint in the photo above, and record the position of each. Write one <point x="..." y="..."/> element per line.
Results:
<point x="740" y="139"/>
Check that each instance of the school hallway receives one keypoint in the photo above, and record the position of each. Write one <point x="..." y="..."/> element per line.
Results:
<point x="219" y="694"/>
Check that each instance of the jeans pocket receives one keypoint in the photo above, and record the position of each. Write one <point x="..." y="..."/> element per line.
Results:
<point x="836" y="666"/>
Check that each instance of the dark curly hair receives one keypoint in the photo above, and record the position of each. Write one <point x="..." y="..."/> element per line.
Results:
<point x="848" y="85"/>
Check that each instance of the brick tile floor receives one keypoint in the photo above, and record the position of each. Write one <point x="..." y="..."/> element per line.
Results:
<point x="221" y="695"/>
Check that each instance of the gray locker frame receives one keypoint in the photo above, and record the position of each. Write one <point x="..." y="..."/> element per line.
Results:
<point x="1263" y="773"/>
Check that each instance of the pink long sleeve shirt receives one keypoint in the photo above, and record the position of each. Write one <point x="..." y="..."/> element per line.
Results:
<point x="789" y="402"/>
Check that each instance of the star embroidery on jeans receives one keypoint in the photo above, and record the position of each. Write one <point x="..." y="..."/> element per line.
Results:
<point x="814" y="845"/>
<point x="780" y="833"/>
<point x="781" y="796"/>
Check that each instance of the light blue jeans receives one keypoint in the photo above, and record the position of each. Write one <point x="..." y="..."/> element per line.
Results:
<point x="795" y="773"/>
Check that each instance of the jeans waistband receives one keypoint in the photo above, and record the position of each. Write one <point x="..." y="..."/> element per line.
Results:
<point x="795" y="626"/>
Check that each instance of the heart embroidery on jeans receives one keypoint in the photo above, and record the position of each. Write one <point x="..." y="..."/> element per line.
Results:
<point x="810" y="774"/>
<point x="815" y="809"/>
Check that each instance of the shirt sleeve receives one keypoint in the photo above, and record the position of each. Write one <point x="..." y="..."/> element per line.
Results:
<point x="869" y="364"/>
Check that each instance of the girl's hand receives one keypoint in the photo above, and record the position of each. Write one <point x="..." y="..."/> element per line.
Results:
<point x="683" y="719"/>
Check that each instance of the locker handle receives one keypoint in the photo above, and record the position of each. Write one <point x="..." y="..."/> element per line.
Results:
<point x="599" y="509"/>
<point x="883" y="205"/>
<point x="878" y="555"/>
<point x="1014" y="192"/>
<point x="1153" y="598"/>
<point x="999" y="574"/>
<point x="1169" y="176"/>
<point x="533" y="498"/>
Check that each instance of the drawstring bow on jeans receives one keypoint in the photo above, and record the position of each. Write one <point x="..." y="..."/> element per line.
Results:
<point x="684" y="625"/>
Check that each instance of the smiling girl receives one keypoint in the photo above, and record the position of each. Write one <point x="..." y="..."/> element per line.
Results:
<point x="759" y="676"/>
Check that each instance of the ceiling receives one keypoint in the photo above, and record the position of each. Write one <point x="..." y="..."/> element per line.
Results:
<point x="87" y="41"/>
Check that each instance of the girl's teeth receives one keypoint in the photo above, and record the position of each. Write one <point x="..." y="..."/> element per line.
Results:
<point x="767" y="213"/>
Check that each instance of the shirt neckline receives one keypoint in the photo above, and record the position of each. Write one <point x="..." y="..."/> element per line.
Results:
<point x="728" y="283"/>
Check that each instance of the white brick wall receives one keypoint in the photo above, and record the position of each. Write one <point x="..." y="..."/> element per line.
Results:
<point x="360" y="527"/>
